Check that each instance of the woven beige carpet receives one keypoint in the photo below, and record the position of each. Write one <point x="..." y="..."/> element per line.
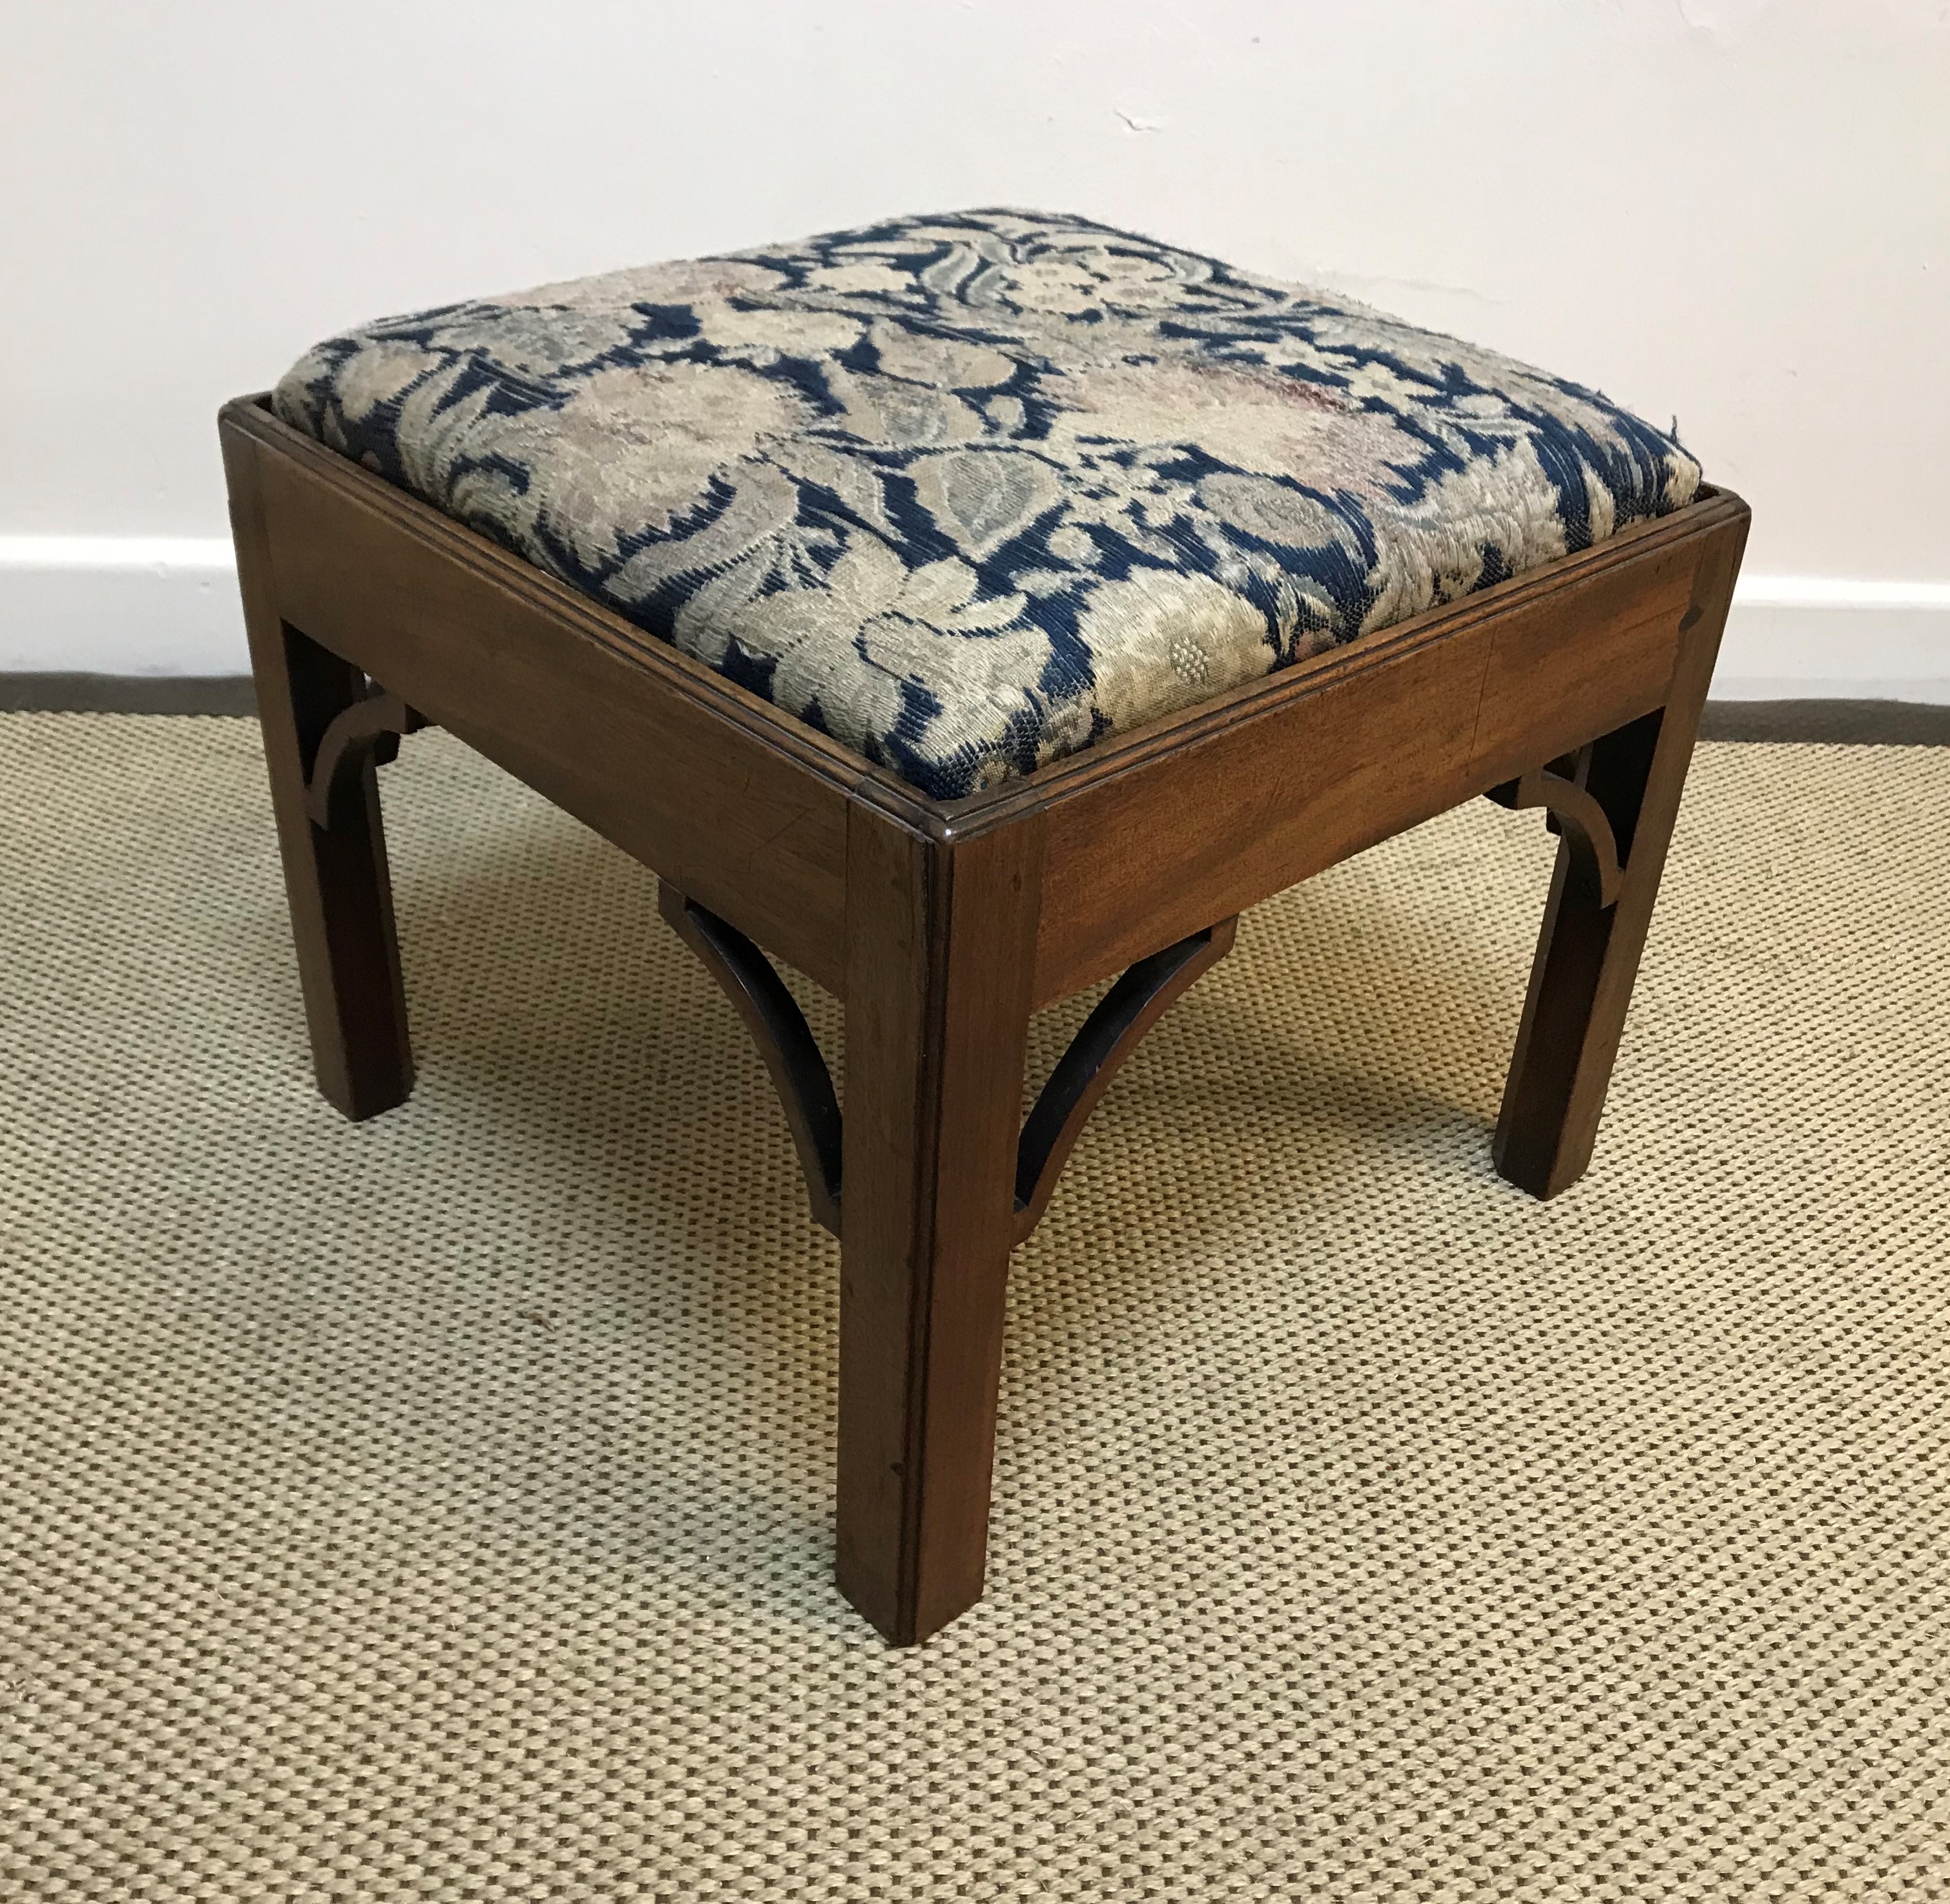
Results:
<point x="440" y="1508"/>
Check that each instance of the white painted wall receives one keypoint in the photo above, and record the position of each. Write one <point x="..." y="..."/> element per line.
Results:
<point x="1736" y="211"/>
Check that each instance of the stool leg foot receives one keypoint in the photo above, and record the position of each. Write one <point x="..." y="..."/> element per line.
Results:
<point x="941" y="949"/>
<point x="1587" y="954"/>
<point x="336" y="880"/>
<point x="1581" y="985"/>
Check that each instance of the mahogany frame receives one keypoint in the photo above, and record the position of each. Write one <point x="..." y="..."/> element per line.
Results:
<point x="943" y="925"/>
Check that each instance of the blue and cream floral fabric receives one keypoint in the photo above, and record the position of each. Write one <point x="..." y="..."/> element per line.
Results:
<point x="969" y="492"/>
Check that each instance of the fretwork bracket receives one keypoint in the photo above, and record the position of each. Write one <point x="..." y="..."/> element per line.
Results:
<point x="1576" y="815"/>
<point x="368" y="730"/>
<point x="785" y="1041"/>
<point x="800" y="1076"/>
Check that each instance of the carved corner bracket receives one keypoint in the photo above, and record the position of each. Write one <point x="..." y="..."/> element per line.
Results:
<point x="1574" y="813"/>
<point x="799" y="1074"/>
<point x="1113" y="1030"/>
<point x="785" y="1041"/>
<point x="368" y="730"/>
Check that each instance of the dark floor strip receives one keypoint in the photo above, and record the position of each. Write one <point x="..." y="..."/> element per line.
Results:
<point x="1913" y="723"/>
<point x="126" y="694"/>
<point x="1902" y="724"/>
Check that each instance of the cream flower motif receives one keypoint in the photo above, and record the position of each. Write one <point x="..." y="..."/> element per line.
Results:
<point x="867" y="276"/>
<point x="1431" y="551"/>
<point x="1274" y="511"/>
<point x="872" y="625"/>
<point x="376" y="377"/>
<point x="1160" y="641"/>
<point x="904" y="415"/>
<point x="1065" y="285"/>
<point x="778" y="333"/>
<point x="980" y="498"/>
<point x="1086" y="277"/>
<point x="541" y="341"/>
<point x="632" y="450"/>
<point x="1138" y="504"/>
<point x="1257" y="420"/>
<point x="755" y="538"/>
<point x="942" y="362"/>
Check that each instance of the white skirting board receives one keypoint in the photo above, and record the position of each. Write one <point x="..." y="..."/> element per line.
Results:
<point x="167" y="605"/>
<point x="1817" y="637"/>
<point x="120" y="605"/>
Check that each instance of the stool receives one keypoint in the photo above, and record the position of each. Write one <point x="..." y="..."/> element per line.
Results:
<point x="964" y="610"/>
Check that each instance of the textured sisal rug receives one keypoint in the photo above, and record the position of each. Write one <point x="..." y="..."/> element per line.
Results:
<point x="440" y="1508"/>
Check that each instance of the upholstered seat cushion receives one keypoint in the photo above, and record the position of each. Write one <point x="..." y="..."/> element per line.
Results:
<point x="971" y="492"/>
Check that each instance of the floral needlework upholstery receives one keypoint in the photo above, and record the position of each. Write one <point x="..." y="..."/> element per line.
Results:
<point x="971" y="492"/>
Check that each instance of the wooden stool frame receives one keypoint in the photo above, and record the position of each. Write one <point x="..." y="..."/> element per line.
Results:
<point x="942" y="926"/>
